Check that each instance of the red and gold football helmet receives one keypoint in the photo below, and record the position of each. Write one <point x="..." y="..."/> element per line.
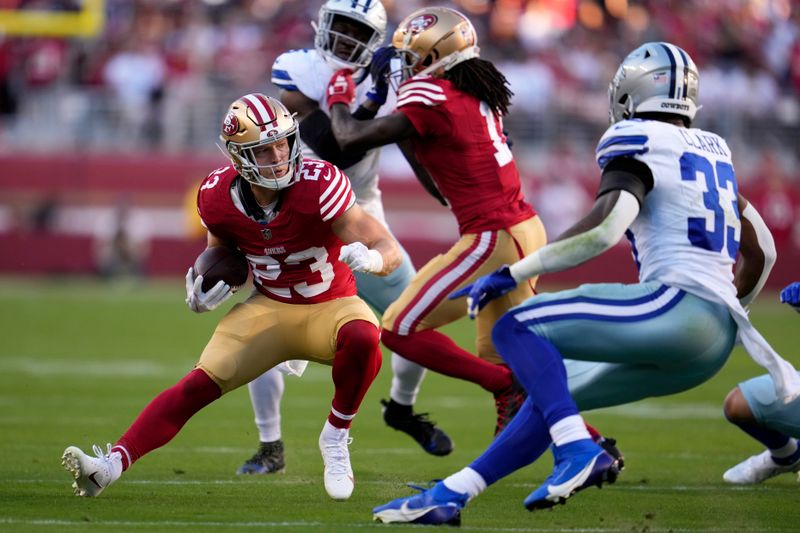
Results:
<point x="257" y="120"/>
<point x="432" y="38"/>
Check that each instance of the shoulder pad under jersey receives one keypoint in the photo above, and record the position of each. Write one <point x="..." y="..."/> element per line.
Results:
<point x="302" y="70"/>
<point x="425" y="90"/>
<point x="627" y="138"/>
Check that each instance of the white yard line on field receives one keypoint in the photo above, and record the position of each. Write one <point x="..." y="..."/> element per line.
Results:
<point x="280" y="480"/>
<point x="329" y="525"/>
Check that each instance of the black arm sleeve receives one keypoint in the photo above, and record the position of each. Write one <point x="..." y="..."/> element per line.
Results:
<point x="316" y="132"/>
<point x="627" y="174"/>
<point x="362" y="113"/>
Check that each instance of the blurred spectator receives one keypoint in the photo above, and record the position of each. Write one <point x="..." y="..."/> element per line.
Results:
<point x="44" y="213"/>
<point x="557" y="192"/>
<point x="776" y="198"/>
<point x="135" y="75"/>
<point x="153" y="78"/>
<point x="8" y="90"/>
<point x="170" y="63"/>
<point x="120" y="249"/>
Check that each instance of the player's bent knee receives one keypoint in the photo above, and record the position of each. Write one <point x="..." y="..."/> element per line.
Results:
<point x="504" y="329"/>
<point x="736" y="409"/>
<point x="358" y="337"/>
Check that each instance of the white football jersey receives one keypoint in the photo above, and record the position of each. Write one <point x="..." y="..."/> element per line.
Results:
<point x="687" y="232"/>
<point x="307" y="72"/>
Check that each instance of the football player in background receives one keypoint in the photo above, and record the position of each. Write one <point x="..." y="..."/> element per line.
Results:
<point x="347" y="35"/>
<point x="299" y="225"/>
<point x="450" y="107"/>
<point x="672" y="190"/>
<point x="756" y="410"/>
<point x="452" y="116"/>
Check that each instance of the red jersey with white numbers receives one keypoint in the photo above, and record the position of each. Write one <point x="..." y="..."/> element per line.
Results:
<point x="294" y="257"/>
<point x="461" y="143"/>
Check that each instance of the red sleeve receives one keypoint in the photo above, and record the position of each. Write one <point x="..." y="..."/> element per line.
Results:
<point x="213" y="189"/>
<point x="336" y="194"/>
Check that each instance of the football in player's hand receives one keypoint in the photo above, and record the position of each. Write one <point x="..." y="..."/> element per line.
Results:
<point x="221" y="263"/>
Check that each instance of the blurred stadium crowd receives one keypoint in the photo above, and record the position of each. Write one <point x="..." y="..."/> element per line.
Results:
<point x="158" y="75"/>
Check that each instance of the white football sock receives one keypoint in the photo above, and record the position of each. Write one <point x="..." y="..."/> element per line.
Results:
<point x="406" y="379"/>
<point x="568" y="430"/>
<point x="332" y="433"/>
<point x="266" y="392"/>
<point x="466" y="481"/>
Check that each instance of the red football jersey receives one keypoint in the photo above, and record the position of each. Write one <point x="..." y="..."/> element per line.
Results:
<point x="461" y="143"/>
<point x="294" y="257"/>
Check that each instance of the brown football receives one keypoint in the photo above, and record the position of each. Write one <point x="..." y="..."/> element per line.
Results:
<point x="221" y="263"/>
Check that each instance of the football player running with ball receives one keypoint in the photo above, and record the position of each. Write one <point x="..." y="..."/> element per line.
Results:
<point x="672" y="190"/>
<point x="450" y="107"/>
<point x="347" y="35"/>
<point x="298" y="224"/>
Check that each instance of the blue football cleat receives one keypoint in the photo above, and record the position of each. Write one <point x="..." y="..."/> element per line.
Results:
<point x="434" y="506"/>
<point x="579" y="465"/>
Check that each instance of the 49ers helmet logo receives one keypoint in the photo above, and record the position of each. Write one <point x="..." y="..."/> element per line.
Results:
<point x="230" y="125"/>
<point x="421" y="23"/>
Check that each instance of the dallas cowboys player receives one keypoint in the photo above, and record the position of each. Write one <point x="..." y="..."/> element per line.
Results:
<point x="672" y="190"/>
<point x="348" y="33"/>
<point x="753" y="407"/>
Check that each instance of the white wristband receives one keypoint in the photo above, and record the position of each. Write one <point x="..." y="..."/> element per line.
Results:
<point x="527" y="267"/>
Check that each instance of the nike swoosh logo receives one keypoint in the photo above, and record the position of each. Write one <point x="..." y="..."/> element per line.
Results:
<point x="576" y="481"/>
<point x="411" y="513"/>
<point x="93" y="480"/>
<point x="416" y="513"/>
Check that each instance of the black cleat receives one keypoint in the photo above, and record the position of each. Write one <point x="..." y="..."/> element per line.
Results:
<point x="610" y="446"/>
<point x="402" y="418"/>
<point x="508" y="401"/>
<point x="267" y="460"/>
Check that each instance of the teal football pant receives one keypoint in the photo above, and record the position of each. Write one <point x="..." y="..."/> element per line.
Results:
<point x="759" y="393"/>
<point x="623" y="343"/>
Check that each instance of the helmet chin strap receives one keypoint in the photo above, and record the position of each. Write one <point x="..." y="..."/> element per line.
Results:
<point x="338" y="64"/>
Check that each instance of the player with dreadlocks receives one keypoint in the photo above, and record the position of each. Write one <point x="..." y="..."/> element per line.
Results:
<point x="450" y="106"/>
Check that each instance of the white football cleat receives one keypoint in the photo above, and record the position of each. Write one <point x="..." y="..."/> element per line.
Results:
<point x="338" y="474"/>
<point x="756" y="469"/>
<point x="92" y="474"/>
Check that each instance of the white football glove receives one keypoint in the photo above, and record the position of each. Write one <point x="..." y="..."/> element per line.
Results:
<point x="360" y="258"/>
<point x="199" y="301"/>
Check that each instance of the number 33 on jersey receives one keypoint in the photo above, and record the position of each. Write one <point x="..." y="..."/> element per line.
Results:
<point x="693" y="204"/>
<point x="294" y="258"/>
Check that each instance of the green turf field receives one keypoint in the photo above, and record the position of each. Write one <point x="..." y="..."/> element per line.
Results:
<point x="78" y="360"/>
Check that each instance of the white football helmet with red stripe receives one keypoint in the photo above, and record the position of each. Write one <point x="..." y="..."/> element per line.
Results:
<point x="256" y="120"/>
